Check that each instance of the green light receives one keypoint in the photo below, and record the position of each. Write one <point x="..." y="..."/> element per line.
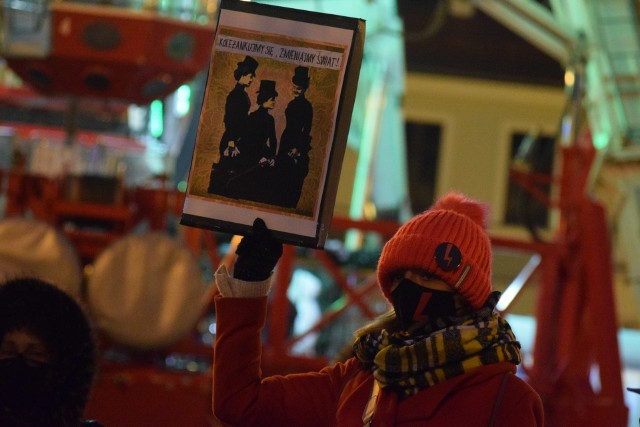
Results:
<point x="370" y="130"/>
<point x="338" y="304"/>
<point x="182" y="186"/>
<point x="183" y="100"/>
<point x="600" y="140"/>
<point x="156" y="119"/>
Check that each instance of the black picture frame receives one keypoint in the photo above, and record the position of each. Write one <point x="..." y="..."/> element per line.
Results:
<point x="260" y="161"/>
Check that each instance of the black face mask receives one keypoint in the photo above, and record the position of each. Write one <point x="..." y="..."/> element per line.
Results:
<point x="416" y="304"/>
<point x="24" y="385"/>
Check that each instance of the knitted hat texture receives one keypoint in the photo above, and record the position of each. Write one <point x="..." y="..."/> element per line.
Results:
<point x="448" y="240"/>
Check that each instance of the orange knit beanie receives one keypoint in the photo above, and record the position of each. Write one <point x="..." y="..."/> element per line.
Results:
<point x="449" y="241"/>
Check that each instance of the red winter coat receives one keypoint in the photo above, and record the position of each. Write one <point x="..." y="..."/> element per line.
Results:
<point x="338" y="394"/>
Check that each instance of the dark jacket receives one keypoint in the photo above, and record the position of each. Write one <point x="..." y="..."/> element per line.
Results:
<point x="260" y="138"/>
<point x="297" y="133"/>
<point x="236" y="111"/>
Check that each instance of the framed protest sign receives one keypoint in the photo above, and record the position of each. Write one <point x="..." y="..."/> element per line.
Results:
<point x="275" y="117"/>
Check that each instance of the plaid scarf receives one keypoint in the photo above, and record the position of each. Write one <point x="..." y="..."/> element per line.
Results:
<point x="410" y="363"/>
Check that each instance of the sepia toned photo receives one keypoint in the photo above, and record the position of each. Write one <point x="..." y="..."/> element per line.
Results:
<point x="274" y="121"/>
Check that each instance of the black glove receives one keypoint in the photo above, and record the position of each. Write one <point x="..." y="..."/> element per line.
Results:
<point x="258" y="253"/>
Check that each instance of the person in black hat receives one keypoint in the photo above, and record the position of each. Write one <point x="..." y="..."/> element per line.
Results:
<point x="47" y="356"/>
<point x="236" y="113"/>
<point x="295" y="143"/>
<point x="258" y="149"/>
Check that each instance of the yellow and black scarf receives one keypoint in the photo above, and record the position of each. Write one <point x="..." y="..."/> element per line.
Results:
<point x="409" y="364"/>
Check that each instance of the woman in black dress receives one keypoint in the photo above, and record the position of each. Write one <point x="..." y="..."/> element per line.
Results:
<point x="236" y="113"/>
<point x="295" y="144"/>
<point x="258" y="150"/>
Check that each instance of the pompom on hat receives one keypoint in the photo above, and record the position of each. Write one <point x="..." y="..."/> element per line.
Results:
<point x="448" y="240"/>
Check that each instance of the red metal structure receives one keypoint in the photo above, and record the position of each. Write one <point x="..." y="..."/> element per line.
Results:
<point x="576" y="362"/>
<point x="116" y="53"/>
<point x="585" y="287"/>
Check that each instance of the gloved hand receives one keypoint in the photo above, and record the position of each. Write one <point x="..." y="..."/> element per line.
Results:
<point x="258" y="253"/>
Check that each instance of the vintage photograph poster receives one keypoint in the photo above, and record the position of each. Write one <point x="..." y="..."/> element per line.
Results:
<point x="274" y="121"/>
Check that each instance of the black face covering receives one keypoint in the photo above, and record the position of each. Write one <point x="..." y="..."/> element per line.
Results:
<point x="414" y="303"/>
<point x="24" y="386"/>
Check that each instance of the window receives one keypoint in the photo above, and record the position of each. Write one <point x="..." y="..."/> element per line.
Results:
<point x="423" y="148"/>
<point x="533" y="155"/>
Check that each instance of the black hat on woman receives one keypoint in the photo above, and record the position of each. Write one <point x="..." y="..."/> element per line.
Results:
<point x="301" y="77"/>
<point x="267" y="89"/>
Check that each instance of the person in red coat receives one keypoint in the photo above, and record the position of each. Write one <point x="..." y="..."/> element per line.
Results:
<point x="442" y="357"/>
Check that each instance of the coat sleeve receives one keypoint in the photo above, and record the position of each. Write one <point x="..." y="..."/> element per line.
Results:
<point x="241" y="397"/>
<point x="521" y="406"/>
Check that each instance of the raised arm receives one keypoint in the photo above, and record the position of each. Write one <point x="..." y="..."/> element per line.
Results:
<point x="241" y="396"/>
